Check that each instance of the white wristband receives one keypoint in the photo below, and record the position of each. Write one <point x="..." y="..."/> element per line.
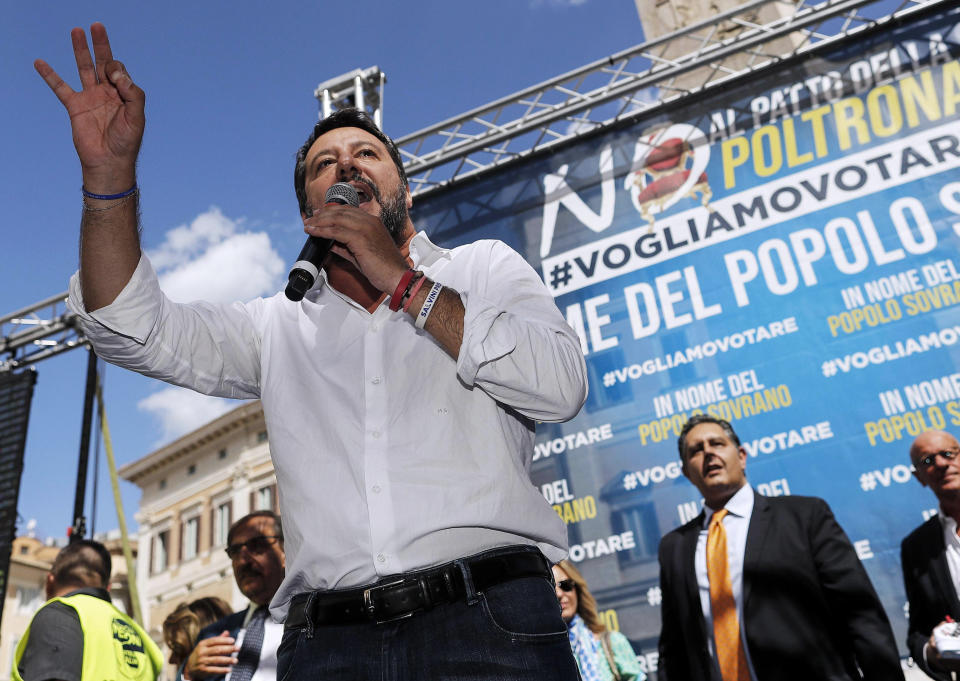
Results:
<point x="428" y="304"/>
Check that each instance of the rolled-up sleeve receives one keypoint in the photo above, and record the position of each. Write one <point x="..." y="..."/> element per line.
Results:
<point x="516" y="346"/>
<point x="213" y="349"/>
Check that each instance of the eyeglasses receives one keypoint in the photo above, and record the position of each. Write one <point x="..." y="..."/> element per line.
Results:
<point x="930" y="459"/>
<point x="256" y="546"/>
<point x="566" y="585"/>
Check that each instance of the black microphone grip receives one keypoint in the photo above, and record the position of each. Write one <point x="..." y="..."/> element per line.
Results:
<point x="305" y="271"/>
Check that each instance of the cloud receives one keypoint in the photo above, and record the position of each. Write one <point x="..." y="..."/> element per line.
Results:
<point x="180" y="410"/>
<point x="212" y="259"/>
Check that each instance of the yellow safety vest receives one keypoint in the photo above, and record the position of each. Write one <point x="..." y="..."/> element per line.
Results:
<point x="115" y="648"/>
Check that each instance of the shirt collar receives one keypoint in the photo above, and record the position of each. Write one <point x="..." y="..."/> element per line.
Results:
<point x="740" y="505"/>
<point x="102" y="594"/>
<point x="948" y="524"/>
<point x="251" y="609"/>
<point x="424" y="252"/>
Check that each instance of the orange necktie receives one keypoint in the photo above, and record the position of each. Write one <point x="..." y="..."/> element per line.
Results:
<point x="726" y="629"/>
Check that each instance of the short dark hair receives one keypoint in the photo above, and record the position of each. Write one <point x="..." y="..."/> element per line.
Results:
<point x="256" y="514"/>
<point x="342" y="118"/>
<point x="695" y="421"/>
<point x="84" y="562"/>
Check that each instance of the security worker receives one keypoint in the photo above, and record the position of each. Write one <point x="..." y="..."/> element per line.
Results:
<point x="79" y="635"/>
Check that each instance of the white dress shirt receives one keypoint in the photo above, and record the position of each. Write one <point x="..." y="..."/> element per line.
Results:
<point x="952" y="543"/>
<point x="736" y="523"/>
<point x="390" y="456"/>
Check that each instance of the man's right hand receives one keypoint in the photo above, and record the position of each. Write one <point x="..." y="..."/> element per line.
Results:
<point x="211" y="657"/>
<point x="106" y="115"/>
<point x="937" y="661"/>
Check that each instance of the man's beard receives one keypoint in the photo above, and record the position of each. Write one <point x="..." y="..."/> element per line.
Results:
<point x="393" y="212"/>
<point x="393" y="215"/>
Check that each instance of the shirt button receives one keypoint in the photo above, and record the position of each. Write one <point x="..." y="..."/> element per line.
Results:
<point x="376" y="434"/>
<point x="375" y="380"/>
<point x="381" y="558"/>
<point x="376" y="489"/>
<point x="375" y="328"/>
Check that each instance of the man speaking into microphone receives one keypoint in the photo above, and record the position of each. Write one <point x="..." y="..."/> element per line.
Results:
<point x="304" y="273"/>
<point x="400" y="395"/>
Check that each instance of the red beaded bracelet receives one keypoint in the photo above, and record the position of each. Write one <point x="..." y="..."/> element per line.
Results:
<point x="397" y="296"/>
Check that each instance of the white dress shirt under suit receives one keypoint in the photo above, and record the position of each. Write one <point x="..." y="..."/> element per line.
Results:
<point x="736" y="523"/>
<point x="389" y="454"/>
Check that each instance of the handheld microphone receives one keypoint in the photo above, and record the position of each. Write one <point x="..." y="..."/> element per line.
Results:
<point x="307" y="268"/>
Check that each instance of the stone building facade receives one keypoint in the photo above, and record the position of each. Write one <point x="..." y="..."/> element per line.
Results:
<point x="193" y="489"/>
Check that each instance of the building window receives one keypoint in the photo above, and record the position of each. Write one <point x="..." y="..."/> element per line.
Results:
<point x="221" y="523"/>
<point x="163" y="484"/>
<point x="161" y="545"/>
<point x="189" y="536"/>
<point x="262" y="436"/>
<point x="29" y="599"/>
<point x="264" y="500"/>
<point x="191" y="469"/>
<point x="222" y="454"/>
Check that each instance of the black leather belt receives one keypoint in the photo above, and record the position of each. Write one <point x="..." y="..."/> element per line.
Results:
<point x="405" y="595"/>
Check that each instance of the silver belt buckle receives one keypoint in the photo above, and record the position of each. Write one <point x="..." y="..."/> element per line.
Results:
<point x="371" y="608"/>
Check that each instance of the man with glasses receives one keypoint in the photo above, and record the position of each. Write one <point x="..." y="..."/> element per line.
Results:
<point x="255" y="547"/>
<point x="930" y="555"/>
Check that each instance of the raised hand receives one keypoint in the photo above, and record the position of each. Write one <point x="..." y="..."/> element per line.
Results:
<point x="106" y="115"/>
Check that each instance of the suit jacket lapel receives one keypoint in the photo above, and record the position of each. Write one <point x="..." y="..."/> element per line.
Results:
<point x="756" y="536"/>
<point x="939" y="568"/>
<point x="690" y="569"/>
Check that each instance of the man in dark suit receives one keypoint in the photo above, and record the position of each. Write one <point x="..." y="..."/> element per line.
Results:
<point x="255" y="547"/>
<point x="759" y="588"/>
<point x="930" y="555"/>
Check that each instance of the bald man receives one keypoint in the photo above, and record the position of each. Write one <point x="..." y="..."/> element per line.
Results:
<point x="931" y="553"/>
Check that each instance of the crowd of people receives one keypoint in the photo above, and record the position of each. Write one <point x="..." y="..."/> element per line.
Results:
<point x="754" y="588"/>
<point x="401" y="395"/>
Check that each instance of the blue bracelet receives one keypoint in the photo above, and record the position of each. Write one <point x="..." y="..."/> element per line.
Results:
<point x="109" y="197"/>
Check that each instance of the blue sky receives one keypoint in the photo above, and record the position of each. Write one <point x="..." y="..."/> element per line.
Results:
<point x="229" y="99"/>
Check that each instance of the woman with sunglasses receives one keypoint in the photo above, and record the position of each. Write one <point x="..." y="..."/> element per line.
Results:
<point x="602" y="654"/>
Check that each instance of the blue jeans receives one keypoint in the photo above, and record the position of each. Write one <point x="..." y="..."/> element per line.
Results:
<point x="512" y="631"/>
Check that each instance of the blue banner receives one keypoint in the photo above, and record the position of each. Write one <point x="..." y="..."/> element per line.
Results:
<point x="781" y="253"/>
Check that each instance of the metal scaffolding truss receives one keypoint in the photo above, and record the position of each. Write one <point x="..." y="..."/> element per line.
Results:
<point x="37" y="332"/>
<point x="634" y="81"/>
<point x="360" y="88"/>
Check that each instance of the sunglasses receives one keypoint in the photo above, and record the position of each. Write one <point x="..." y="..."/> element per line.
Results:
<point x="930" y="459"/>
<point x="566" y="585"/>
<point x="256" y="546"/>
